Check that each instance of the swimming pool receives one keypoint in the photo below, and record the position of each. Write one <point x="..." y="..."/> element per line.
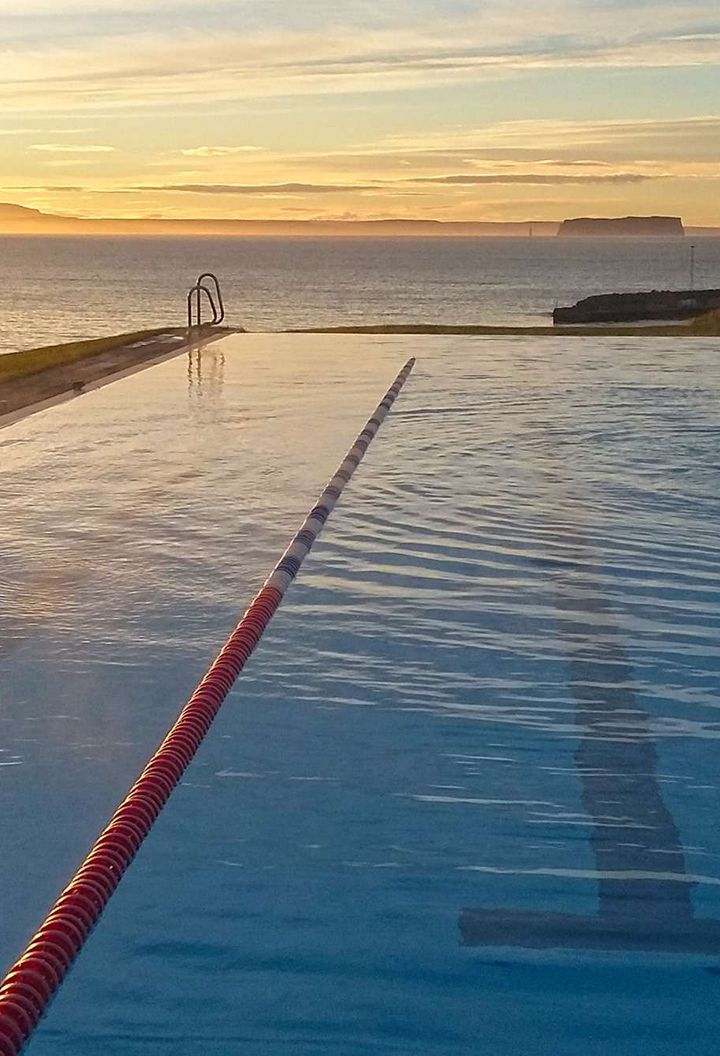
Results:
<point x="484" y="719"/>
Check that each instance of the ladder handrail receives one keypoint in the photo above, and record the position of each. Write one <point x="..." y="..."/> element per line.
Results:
<point x="209" y="294"/>
<point x="196" y="291"/>
<point x="220" y="314"/>
<point x="214" y="297"/>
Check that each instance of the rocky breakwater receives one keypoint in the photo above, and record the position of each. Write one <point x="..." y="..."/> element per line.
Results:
<point x="636" y="307"/>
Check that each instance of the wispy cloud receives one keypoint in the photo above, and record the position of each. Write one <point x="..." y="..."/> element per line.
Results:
<point x="217" y="152"/>
<point x="254" y="58"/>
<point x="66" y="163"/>
<point x="68" y="148"/>
<point x="259" y="189"/>
<point x="564" y="141"/>
<point x="21" y="131"/>
<point x="384" y="186"/>
<point x="476" y="180"/>
<point x="45" y="188"/>
<point x="44" y="131"/>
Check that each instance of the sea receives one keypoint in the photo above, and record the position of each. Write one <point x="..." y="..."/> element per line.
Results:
<point x="62" y="289"/>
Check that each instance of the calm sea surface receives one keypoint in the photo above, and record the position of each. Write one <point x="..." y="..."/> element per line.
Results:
<point x="59" y="289"/>
<point x="465" y="797"/>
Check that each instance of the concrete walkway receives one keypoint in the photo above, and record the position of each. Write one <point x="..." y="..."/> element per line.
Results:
<point x="34" y="392"/>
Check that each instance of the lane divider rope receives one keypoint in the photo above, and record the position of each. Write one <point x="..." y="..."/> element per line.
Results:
<point x="31" y="983"/>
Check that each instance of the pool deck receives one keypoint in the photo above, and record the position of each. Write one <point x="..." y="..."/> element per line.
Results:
<point x="24" y="395"/>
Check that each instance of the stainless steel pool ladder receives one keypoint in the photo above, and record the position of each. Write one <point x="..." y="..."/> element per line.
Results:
<point x="209" y="286"/>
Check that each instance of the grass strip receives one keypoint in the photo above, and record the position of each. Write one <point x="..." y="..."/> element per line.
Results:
<point x="704" y="326"/>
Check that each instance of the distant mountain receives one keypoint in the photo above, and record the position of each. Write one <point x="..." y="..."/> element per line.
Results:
<point x="17" y="219"/>
<point x="20" y="220"/>
<point x="17" y="212"/>
<point x="623" y="227"/>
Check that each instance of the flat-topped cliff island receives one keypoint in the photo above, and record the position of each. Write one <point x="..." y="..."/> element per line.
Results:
<point x="623" y="227"/>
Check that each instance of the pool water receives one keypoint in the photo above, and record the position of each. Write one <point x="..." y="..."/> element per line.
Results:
<point x="464" y="797"/>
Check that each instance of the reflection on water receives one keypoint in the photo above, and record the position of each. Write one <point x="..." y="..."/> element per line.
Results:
<point x="494" y="685"/>
<point x="644" y="892"/>
<point x="205" y="371"/>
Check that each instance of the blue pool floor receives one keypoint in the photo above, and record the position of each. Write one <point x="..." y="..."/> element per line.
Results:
<point x="478" y="738"/>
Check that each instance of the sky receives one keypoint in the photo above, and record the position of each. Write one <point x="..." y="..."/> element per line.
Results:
<point x="507" y="110"/>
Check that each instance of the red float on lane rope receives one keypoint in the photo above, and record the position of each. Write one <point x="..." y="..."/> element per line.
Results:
<point x="29" y="986"/>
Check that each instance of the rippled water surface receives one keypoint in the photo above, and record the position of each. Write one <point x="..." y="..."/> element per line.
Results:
<point x="465" y="796"/>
